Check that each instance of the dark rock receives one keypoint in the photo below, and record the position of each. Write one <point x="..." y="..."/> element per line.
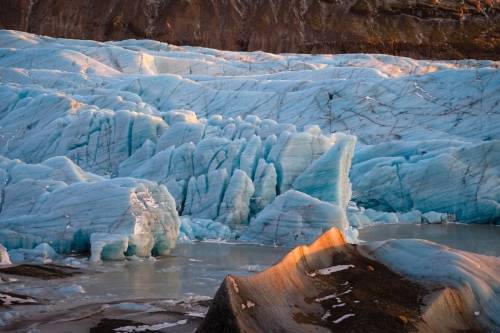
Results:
<point x="445" y="29"/>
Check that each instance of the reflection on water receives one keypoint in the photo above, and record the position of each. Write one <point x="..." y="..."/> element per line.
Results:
<point x="191" y="269"/>
<point x="484" y="239"/>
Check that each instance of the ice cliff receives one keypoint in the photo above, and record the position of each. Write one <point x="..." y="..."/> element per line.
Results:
<point x="229" y="136"/>
<point x="58" y="203"/>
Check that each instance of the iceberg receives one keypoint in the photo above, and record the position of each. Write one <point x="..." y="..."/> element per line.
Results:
<point x="294" y="218"/>
<point x="193" y="229"/>
<point x="43" y="253"/>
<point x="4" y="256"/>
<point x="327" y="178"/>
<point x="105" y="246"/>
<point x="58" y="203"/>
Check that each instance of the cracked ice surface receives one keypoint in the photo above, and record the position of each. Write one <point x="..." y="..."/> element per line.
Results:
<point x="73" y="210"/>
<point x="204" y="122"/>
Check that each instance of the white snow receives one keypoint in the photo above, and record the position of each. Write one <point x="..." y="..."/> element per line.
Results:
<point x="155" y="327"/>
<point x="333" y="269"/>
<point x="344" y="317"/>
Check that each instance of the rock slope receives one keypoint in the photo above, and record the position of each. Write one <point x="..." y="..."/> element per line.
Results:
<point x="332" y="286"/>
<point x="445" y="29"/>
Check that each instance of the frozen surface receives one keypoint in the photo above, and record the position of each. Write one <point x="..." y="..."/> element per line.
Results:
<point x="4" y="256"/>
<point x="482" y="239"/>
<point x="58" y="203"/>
<point x="295" y="218"/>
<point x="189" y="271"/>
<point x="227" y="133"/>
<point x="475" y="276"/>
<point x="455" y="177"/>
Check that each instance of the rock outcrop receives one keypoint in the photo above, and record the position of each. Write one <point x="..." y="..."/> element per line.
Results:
<point x="417" y="28"/>
<point x="331" y="286"/>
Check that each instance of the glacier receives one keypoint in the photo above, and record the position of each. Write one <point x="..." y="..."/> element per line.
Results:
<point x="235" y="138"/>
<point x="58" y="203"/>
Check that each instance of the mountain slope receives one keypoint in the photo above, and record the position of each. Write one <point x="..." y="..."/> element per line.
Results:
<point x="445" y="29"/>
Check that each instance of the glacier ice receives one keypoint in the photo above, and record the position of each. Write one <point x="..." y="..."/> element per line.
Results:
<point x="327" y="178"/>
<point x="42" y="253"/>
<point x="235" y="206"/>
<point x="104" y="246"/>
<point x="205" y="193"/>
<point x="454" y="177"/>
<point x="475" y="276"/>
<point x="185" y="121"/>
<point x="203" y="229"/>
<point x="359" y="217"/>
<point x="4" y="256"/>
<point x="58" y="203"/>
<point x="294" y="218"/>
<point x="265" y="182"/>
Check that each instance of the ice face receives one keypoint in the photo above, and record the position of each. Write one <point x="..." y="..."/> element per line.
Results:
<point x="4" y="256"/>
<point x="455" y="177"/>
<point x="203" y="229"/>
<point x="327" y="178"/>
<point x="235" y="207"/>
<point x="294" y="218"/>
<point x="105" y="246"/>
<point x="58" y="203"/>
<point x="189" y="118"/>
<point x="475" y="276"/>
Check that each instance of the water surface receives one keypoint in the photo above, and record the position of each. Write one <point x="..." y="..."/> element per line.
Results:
<point x="483" y="239"/>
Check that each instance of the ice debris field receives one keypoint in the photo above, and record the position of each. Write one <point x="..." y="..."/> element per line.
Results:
<point x="124" y="148"/>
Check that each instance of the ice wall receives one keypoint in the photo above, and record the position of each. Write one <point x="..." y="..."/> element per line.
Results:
<point x="59" y="203"/>
<point x="427" y="131"/>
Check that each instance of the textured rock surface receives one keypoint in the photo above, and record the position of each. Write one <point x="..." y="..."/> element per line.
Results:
<point x="331" y="286"/>
<point x="423" y="28"/>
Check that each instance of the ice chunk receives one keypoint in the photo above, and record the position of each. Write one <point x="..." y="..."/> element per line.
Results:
<point x="108" y="246"/>
<point x="327" y="178"/>
<point x="205" y="193"/>
<point x="71" y="290"/>
<point x="294" y="218"/>
<point x="235" y="207"/>
<point x="65" y="215"/>
<point x="4" y="256"/>
<point x="265" y="182"/>
<point x="203" y="229"/>
<point x="294" y="152"/>
<point x="42" y="253"/>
